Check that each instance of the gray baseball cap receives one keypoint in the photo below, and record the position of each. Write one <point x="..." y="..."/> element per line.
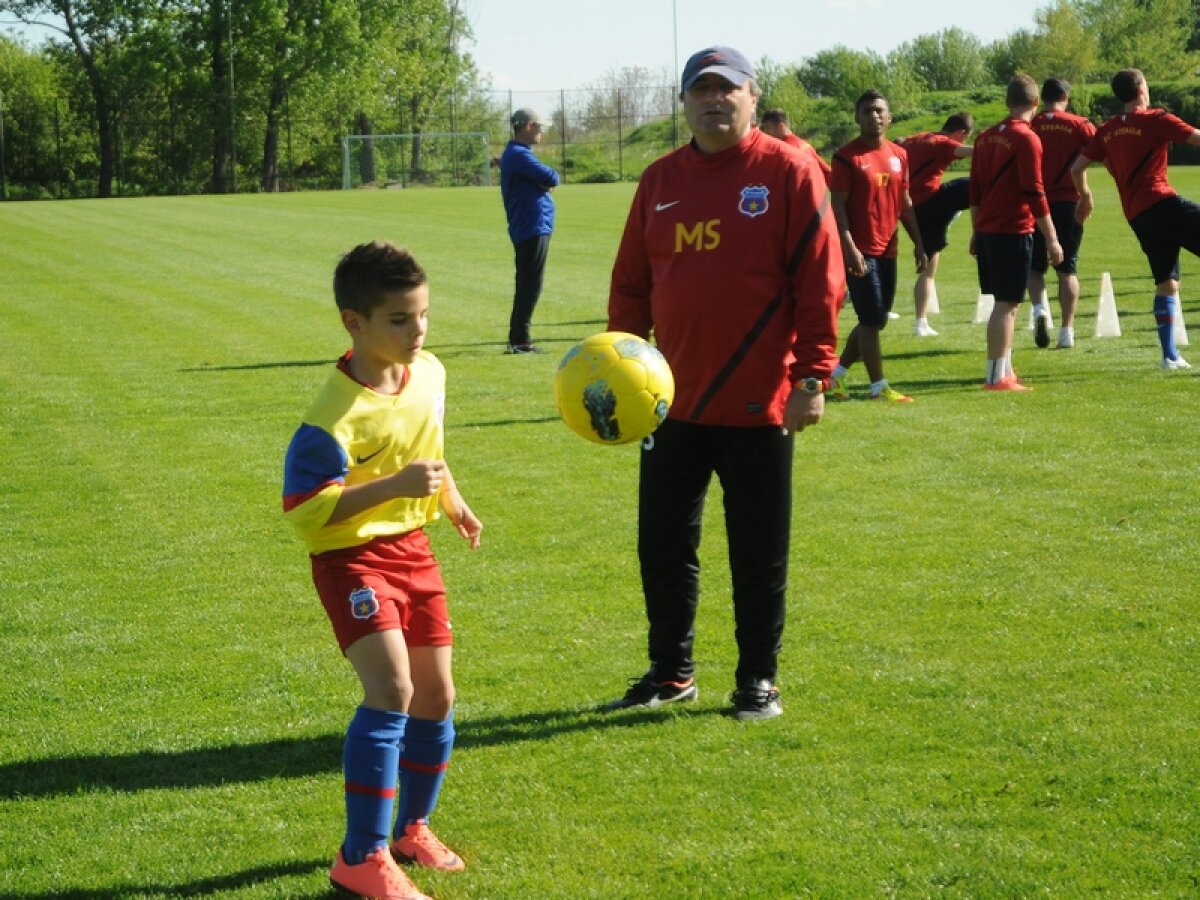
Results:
<point x="525" y="115"/>
<point x="724" y="61"/>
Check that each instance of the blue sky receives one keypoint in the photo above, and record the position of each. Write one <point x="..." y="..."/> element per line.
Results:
<point x="547" y="44"/>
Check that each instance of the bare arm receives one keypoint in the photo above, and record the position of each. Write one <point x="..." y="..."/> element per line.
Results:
<point x="420" y="478"/>
<point x="1054" y="250"/>
<point x="1079" y="176"/>
<point x="909" y="219"/>
<point x="460" y="515"/>
<point x="856" y="263"/>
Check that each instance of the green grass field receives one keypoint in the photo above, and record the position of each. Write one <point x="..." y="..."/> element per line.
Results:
<point x="991" y="667"/>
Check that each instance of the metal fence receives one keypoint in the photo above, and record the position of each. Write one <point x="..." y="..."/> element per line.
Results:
<point x="49" y="148"/>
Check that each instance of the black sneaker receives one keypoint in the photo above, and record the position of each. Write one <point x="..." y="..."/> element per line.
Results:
<point x="522" y="349"/>
<point x="758" y="699"/>
<point x="647" y="692"/>
<point x="1041" y="331"/>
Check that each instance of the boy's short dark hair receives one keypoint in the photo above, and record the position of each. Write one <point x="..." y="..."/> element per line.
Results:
<point x="960" y="121"/>
<point x="1125" y="84"/>
<point x="775" y="116"/>
<point x="1022" y="91"/>
<point x="370" y="271"/>
<point x="868" y="97"/>
<point x="1055" y="90"/>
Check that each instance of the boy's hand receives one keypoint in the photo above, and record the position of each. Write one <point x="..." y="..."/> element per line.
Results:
<point x="469" y="526"/>
<point x="420" y="478"/>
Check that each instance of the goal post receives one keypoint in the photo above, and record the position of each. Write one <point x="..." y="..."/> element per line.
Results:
<point x="429" y="158"/>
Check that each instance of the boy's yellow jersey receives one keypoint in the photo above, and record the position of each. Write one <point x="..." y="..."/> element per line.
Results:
<point x="352" y="434"/>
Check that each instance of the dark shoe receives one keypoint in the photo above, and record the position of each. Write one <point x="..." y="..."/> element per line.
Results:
<point x="1041" y="331"/>
<point x="522" y="349"/>
<point x="647" y="692"/>
<point x="758" y="699"/>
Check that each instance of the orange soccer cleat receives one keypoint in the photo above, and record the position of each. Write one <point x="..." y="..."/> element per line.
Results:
<point x="422" y="847"/>
<point x="377" y="877"/>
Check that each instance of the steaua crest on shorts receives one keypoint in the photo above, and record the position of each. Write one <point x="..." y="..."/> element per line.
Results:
<point x="754" y="200"/>
<point x="363" y="603"/>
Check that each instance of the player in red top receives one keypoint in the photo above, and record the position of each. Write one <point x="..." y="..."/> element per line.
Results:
<point x="1063" y="135"/>
<point x="1007" y="202"/>
<point x="1133" y="146"/>
<point x="935" y="204"/>
<point x="870" y="195"/>
<point x="775" y="122"/>
<point x="730" y="258"/>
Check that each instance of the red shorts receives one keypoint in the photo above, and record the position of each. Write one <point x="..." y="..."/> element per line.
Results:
<point x="390" y="582"/>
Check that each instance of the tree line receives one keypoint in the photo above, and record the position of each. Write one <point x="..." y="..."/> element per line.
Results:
<point x="180" y="96"/>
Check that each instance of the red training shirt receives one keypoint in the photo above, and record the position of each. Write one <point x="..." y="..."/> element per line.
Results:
<point x="874" y="182"/>
<point x="1063" y="136"/>
<point x="929" y="156"/>
<point x="1006" y="179"/>
<point x="1133" y="147"/>
<point x="806" y="147"/>
<point x="732" y="260"/>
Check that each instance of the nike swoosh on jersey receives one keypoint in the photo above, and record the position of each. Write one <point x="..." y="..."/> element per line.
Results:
<point x="359" y="460"/>
<point x="659" y="207"/>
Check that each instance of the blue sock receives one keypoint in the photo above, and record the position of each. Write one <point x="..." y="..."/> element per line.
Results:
<point x="369" y="761"/>
<point x="1164" y="318"/>
<point x="424" y="758"/>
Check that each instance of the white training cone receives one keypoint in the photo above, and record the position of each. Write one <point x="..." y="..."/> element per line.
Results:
<point x="1108" y="323"/>
<point x="1179" y="329"/>
<point x="932" y="307"/>
<point x="983" y="308"/>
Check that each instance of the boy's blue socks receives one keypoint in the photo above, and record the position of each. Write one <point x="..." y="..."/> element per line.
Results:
<point x="1164" y="318"/>
<point x="424" y="758"/>
<point x="369" y="760"/>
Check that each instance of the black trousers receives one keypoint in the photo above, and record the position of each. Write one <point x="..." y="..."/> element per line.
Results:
<point x="531" y="265"/>
<point x="754" y="466"/>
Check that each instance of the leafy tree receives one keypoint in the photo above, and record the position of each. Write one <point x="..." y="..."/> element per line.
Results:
<point x="631" y="95"/>
<point x="781" y="86"/>
<point x="1010" y="55"/>
<point x="841" y="73"/>
<point x="946" y="61"/>
<point x="1152" y="35"/>
<point x="1063" y="45"/>
<point x="98" y="34"/>
<point x="844" y="74"/>
<point x="281" y="42"/>
<point x="419" y="60"/>
<point x="28" y="83"/>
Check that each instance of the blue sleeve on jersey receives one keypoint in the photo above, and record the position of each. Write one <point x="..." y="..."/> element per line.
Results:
<point x="314" y="459"/>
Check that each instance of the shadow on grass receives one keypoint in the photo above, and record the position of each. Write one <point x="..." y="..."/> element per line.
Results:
<point x="603" y="323"/>
<point x="931" y="353"/>
<point x="250" y="367"/>
<point x="202" y="888"/>
<point x="296" y="758"/>
<point x="536" y="420"/>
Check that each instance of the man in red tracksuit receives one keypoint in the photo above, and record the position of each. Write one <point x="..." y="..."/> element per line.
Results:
<point x="1133" y="147"/>
<point x="869" y="189"/>
<point x="1063" y="135"/>
<point x="730" y="259"/>
<point x="935" y="205"/>
<point x="1007" y="202"/>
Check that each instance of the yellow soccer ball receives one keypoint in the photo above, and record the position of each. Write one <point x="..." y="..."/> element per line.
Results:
<point x="613" y="388"/>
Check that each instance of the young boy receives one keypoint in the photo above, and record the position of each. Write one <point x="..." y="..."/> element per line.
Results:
<point x="364" y="474"/>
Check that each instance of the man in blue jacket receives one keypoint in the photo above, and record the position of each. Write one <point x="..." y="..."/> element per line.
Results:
<point x="525" y="186"/>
